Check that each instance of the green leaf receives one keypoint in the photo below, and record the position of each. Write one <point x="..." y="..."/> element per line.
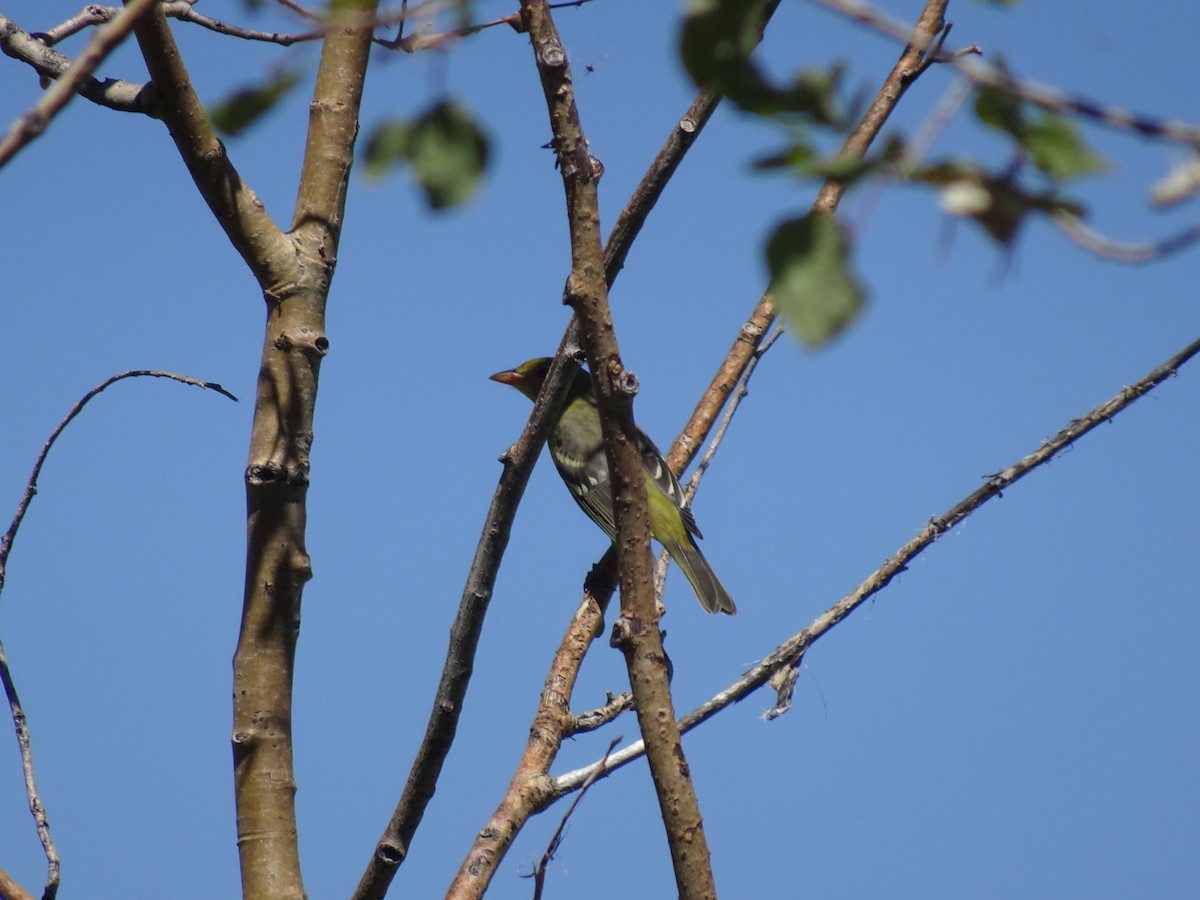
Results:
<point x="1002" y="110"/>
<point x="805" y="162"/>
<point x="716" y="43"/>
<point x="446" y="148"/>
<point x="1052" y="142"/>
<point x="813" y="93"/>
<point x="386" y="146"/>
<point x="1059" y="151"/>
<point x="719" y="36"/>
<point x="244" y="107"/>
<point x="811" y="280"/>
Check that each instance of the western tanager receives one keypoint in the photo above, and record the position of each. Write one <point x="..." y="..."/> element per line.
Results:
<point x="577" y="448"/>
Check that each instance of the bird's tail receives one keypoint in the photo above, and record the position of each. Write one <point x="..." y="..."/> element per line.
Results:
<point x="709" y="590"/>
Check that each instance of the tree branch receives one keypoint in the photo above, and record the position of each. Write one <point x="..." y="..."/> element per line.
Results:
<point x="539" y="873"/>
<point x="1123" y="251"/>
<point x="119" y="95"/>
<point x="392" y="848"/>
<point x="987" y="75"/>
<point x="295" y="272"/>
<point x="10" y="890"/>
<point x="636" y="632"/>
<point x="788" y="654"/>
<point x="261" y="244"/>
<point x="33" y="123"/>
<point x="904" y="74"/>
<point x="36" y="808"/>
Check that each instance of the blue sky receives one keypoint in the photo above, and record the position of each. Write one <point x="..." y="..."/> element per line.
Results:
<point x="1016" y="715"/>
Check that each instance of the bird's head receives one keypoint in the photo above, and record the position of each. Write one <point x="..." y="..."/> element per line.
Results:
<point x="528" y="376"/>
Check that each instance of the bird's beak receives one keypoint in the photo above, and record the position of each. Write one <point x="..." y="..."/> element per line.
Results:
<point x="508" y="377"/>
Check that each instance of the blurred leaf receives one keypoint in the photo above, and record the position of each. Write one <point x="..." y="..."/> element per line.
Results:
<point x="799" y="156"/>
<point x="716" y="42"/>
<point x="387" y="146"/>
<point x="445" y="146"/>
<point x="1000" y="110"/>
<point x="244" y="107"/>
<point x="998" y="204"/>
<point x="948" y="171"/>
<point x="1059" y="151"/>
<point x="806" y="162"/>
<point x="1052" y="142"/>
<point x="814" y="94"/>
<point x="811" y="280"/>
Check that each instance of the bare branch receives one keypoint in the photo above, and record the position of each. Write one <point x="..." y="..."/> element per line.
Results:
<point x="122" y="96"/>
<point x="36" y="808"/>
<point x="31" y="124"/>
<point x="986" y="75"/>
<point x="741" y="391"/>
<point x="185" y="12"/>
<point x="295" y="272"/>
<point x="6" y="543"/>
<point x="789" y="653"/>
<point x="1121" y="251"/>
<point x="636" y="632"/>
<point x="89" y="17"/>
<point x="10" y="890"/>
<point x="539" y="874"/>
<point x="31" y="487"/>
<point x="261" y="244"/>
<point x="596" y="718"/>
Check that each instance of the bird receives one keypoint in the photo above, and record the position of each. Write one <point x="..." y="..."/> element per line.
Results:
<point x="577" y="448"/>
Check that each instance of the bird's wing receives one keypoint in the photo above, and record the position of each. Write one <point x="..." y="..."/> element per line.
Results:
<point x="584" y="471"/>
<point x="664" y="479"/>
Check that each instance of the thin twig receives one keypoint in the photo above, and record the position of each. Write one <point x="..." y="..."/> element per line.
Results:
<point x="36" y="49"/>
<point x="36" y="808"/>
<point x="6" y="542"/>
<point x="788" y="653"/>
<point x="1122" y="251"/>
<point x="539" y="874"/>
<point x="31" y="487"/>
<point x="596" y="718"/>
<point x="741" y="391"/>
<point x="987" y="75"/>
<point x="740" y="394"/>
